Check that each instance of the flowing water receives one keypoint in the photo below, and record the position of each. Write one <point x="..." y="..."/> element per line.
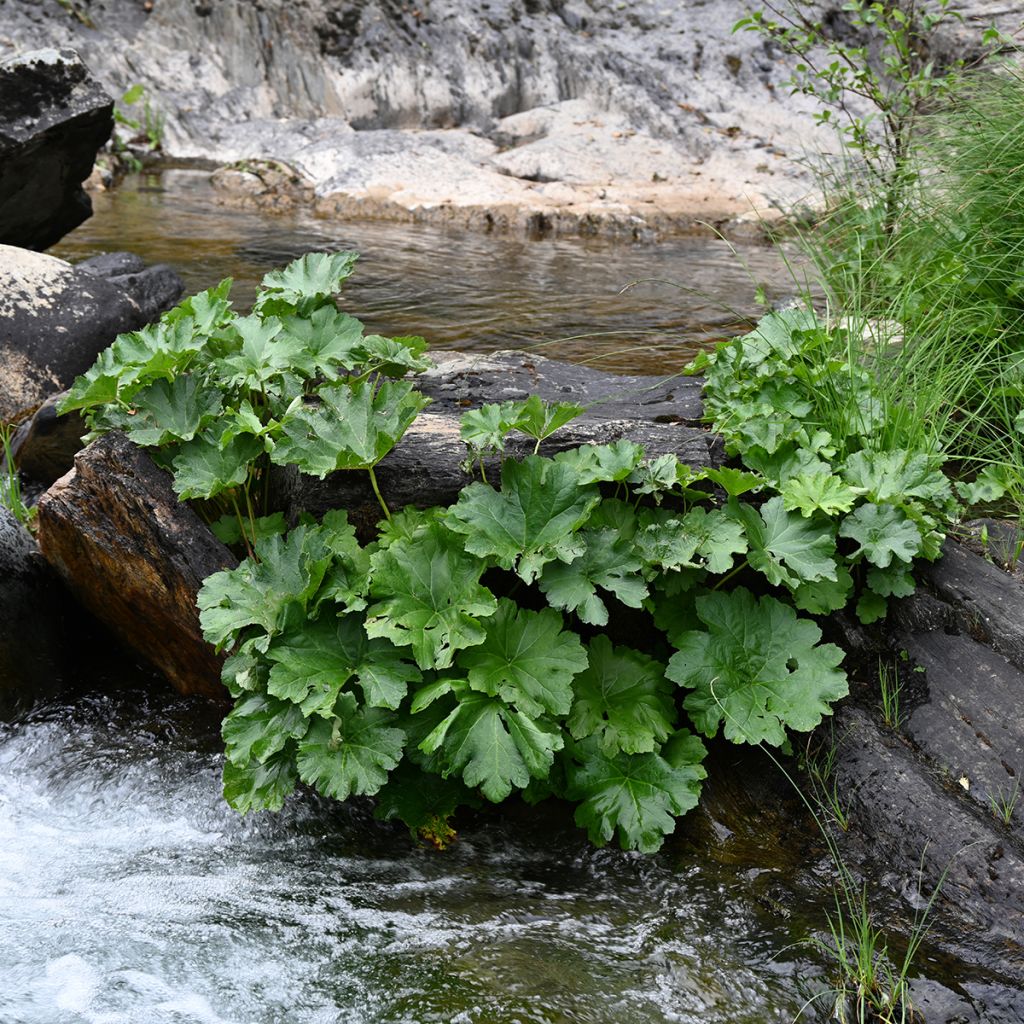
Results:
<point x="636" y="308"/>
<point x="131" y="894"/>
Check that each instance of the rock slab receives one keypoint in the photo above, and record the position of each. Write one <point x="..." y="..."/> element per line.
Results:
<point x="114" y="529"/>
<point x="53" y="118"/>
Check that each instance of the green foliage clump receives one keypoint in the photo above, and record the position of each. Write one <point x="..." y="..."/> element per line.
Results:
<point x="487" y="649"/>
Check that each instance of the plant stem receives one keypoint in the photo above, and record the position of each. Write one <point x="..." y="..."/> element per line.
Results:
<point x="376" y="490"/>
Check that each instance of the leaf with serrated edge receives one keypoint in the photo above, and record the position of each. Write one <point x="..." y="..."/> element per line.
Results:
<point x="353" y="427"/>
<point x="493" y="746"/>
<point x="639" y="796"/>
<point x="622" y="699"/>
<point x="606" y="562"/>
<point x="786" y="547"/>
<point x="261" y="787"/>
<point x="259" y="726"/>
<point x="351" y="753"/>
<point x="174" y="411"/>
<point x="527" y="659"/>
<point x="883" y="532"/>
<point x="428" y="596"/>
<point x="757" y="667"/>
<point x="533" y="519"/>
<point x="316" y="275"/>
<point x="312" y="664"/>
<point x="812" y="492"/>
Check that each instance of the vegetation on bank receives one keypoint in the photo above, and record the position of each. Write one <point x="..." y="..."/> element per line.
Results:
<point x="482" y="650"/>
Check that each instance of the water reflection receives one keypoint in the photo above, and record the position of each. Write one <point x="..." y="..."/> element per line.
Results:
<point x="638" y="308"/>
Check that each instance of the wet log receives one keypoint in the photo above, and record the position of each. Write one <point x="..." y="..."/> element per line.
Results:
<point x="135" y="556"/>
<point x="426" y="467"/>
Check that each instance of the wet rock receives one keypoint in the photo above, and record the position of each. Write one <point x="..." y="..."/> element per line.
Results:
<point x="115" y="531"/>
<point x="924" y="828"/>
<point x="56" y="318"/>
<point x="33" y="635"/>
<point x="44" y="446"/>
<point x="53" y="118"/>
<point x="987" y="601"/>
<point x="425" y="468"/>
<point x="967" y="726"/>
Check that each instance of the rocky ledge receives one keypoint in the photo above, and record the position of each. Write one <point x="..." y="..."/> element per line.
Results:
<point x="576" y="116"/>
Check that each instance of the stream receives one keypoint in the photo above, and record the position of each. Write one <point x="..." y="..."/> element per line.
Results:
<point x="131" y="894"/>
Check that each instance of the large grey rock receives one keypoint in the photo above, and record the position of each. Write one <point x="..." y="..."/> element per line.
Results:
<point x="53" y="118"/>
<point x="55" y="319"/>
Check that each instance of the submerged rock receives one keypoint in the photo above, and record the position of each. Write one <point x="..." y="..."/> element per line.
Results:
<point x="56" y="318"/>
<point x="53" y="118"/>
<point x="135" y="556"/>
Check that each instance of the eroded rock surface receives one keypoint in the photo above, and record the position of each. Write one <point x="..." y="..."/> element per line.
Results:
<point x="551" y="115"/>
<point x="54" y="116"/>
<point x="114" y="529"/>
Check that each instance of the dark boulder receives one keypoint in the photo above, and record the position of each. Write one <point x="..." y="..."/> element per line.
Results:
<point x="53" y="118"/>
<point x="33" y="640"/>
<point x="55" y="319"/>
<point x="153" y="289"/>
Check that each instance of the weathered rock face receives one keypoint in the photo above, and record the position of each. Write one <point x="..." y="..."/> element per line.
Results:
<point x="56" y="318"/>
<point x="574" y="115"/>
<point x="53" y="118"/>
<point x="927" y="796"/>
<point x="426" y="467"/>
<point x="134" y="556"/>
<point x="34" y="639"/>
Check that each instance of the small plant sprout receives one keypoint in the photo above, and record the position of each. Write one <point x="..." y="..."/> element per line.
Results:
<point x="890" y="688"/>
<point x="1004" y="802"/>
<point x="10" y="483"/>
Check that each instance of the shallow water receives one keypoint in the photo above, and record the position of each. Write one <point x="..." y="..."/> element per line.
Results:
<point x="635" y="308"/>
<point x="130" y="893"/>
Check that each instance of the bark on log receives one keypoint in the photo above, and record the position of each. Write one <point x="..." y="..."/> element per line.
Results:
<point x="425" y="468"/>
<point x="136" y="557"/>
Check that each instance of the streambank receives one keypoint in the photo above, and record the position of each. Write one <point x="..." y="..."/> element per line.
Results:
<point x="546" y="115"/>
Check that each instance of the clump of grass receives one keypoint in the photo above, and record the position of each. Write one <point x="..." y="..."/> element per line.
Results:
<point x="935" y="291"/>
<point x="890" y="689"/>
<point x="1004" y="802"/>
<point x="10" y="483"/>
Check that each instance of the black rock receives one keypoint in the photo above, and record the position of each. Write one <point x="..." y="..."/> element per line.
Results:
<point x="33" y="641"/>
<point x="53" y="118"/>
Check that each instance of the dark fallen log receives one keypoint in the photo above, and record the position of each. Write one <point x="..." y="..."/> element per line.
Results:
<point x="426" y="468"/>
<point x="135" y="557"/>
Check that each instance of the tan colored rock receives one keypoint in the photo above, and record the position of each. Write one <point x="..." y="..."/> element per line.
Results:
<point x="114" y="529"/>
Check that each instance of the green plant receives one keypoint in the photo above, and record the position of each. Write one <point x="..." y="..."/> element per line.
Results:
<point x="873" y="80"/>
<point x="145" y="127"/>
<point x="890" y="689"/>
<point x="1004" y="802"/>
<point x="477" y="651"/>
<point x="10" y="483"/>
<point x="819" y="761"/>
